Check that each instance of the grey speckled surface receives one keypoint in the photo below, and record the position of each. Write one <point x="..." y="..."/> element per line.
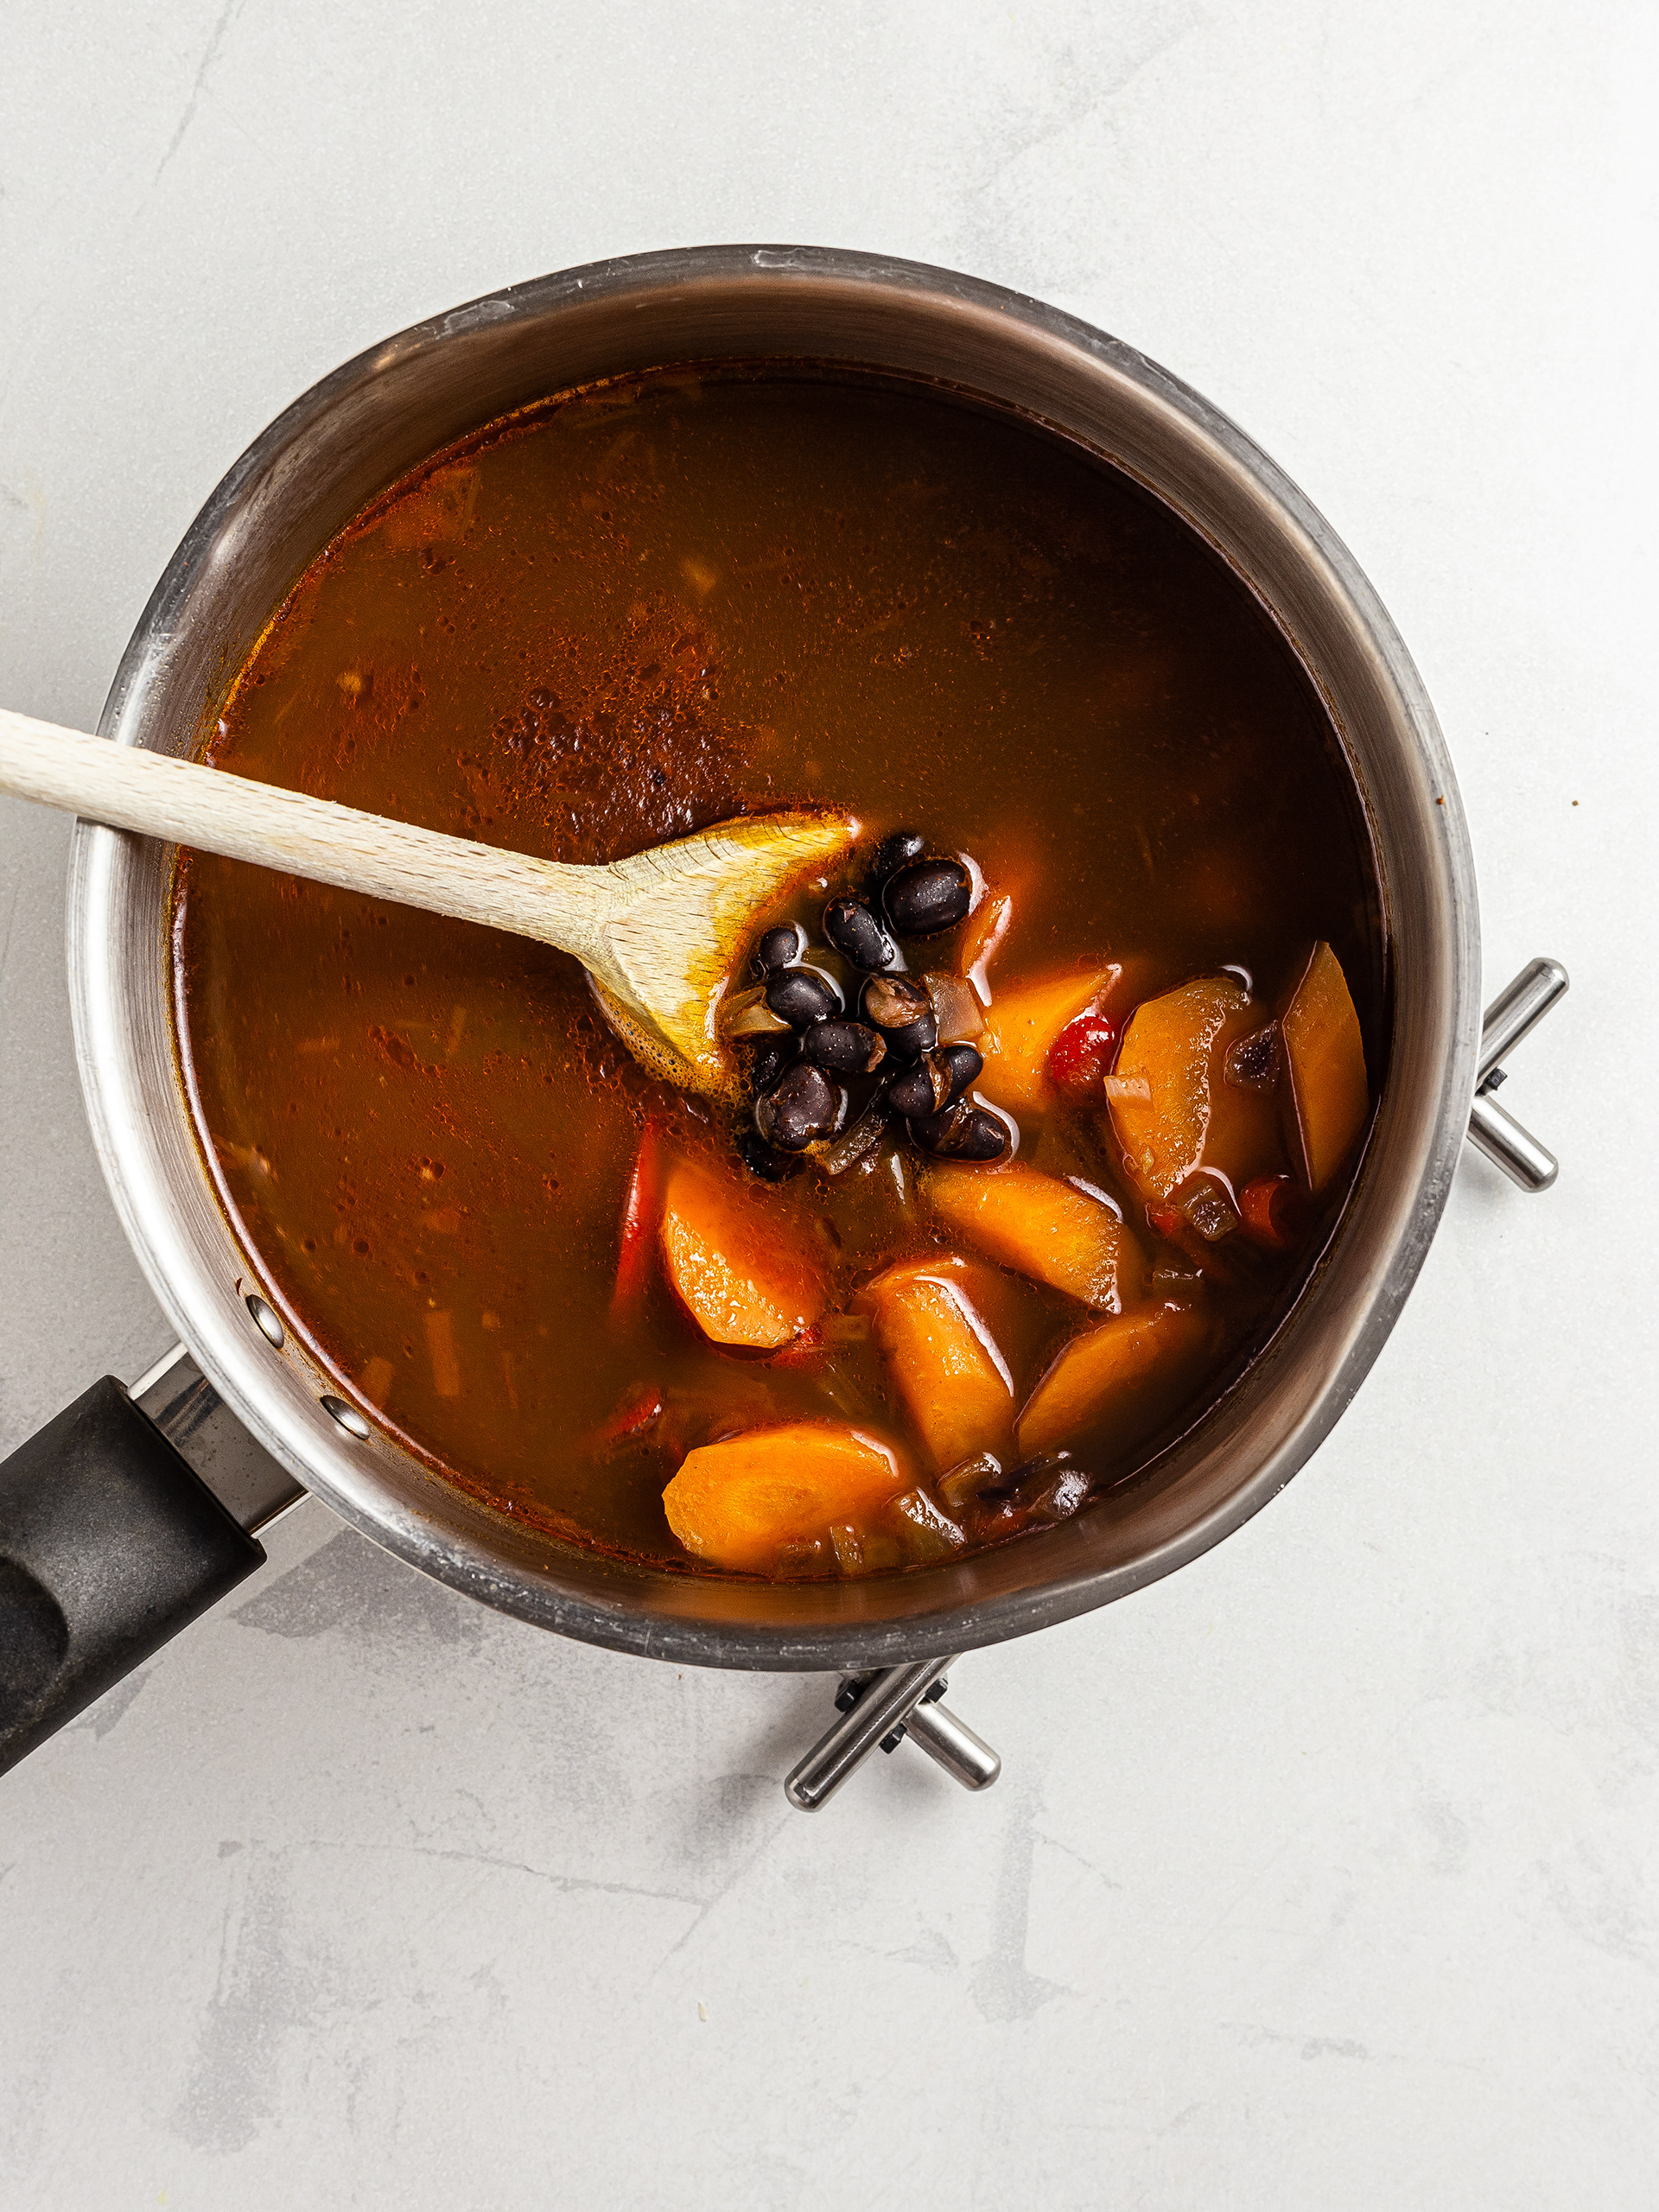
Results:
<point x="1323" y="1874"/>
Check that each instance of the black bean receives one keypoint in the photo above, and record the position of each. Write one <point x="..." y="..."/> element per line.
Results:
<point x="910" y="1044"/>
<point x="981" y="1136"/>
<point x="903" y="1012"/>
<point x="916" y="1092"/>
<point x="847" y="1047"/>
<point x="961" y="1132"/>
<point x="803" y="1106"/>
<point x="936" y="1080"/>
<point x="896" y="852"/>
<point x="934" y="1132"/>
<point x="852" y="928"/>
<point x="779" y="948"/>
<point x="770" y="1061"/>
<point x="798" y="995"/>
<point x="1252" y="1063"/>
<point x="927" y="896"/>
<point x="965" y="1066"/>
<point x="762" y="1159"/>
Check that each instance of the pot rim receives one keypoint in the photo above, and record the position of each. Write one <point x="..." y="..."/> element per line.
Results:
<point x="146" y="1210"/>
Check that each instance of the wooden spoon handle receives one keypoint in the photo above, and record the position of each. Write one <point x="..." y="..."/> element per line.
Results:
<point x="127" y="788"/>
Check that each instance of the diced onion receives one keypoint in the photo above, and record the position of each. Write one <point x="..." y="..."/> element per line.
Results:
<point x="926" y="1532"/>
<point x="850" y="1146"/>
<point x="957" y="1007"/>
<point x="961" y="1484"/>
<point x="748" y="1015"/>
<point x="848" y="1547"/>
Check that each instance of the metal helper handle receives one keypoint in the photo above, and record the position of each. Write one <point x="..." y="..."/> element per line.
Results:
<point x="950" y="1742"/>
<point x="1518" y="1010"/>
<point x="882" y="1709"/>
<point x="1513" y="1014"/>
<point x="1509" y="1146"/>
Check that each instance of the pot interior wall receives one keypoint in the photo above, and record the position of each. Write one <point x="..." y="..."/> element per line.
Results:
<point x="361" y="429"/>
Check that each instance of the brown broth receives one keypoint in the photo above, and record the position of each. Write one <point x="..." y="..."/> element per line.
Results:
<point x="610" y="620"/>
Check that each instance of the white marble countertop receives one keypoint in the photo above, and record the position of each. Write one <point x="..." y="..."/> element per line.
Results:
<point x="1322" y="1874"/>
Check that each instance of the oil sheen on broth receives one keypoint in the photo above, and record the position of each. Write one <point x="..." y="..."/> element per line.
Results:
<point x="616" y="618"/>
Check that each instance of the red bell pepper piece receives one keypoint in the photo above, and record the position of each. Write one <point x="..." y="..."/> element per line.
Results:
<point x="1274" y="1212"/>
<point x="641" y="1210"/>
<point x="1081" y="1054"/>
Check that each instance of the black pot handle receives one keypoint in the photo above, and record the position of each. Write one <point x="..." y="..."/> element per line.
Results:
<point x="108" y="1545"/>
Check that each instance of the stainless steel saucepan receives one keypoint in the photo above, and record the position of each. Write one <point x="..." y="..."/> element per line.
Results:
<point x="109" y="1541"/>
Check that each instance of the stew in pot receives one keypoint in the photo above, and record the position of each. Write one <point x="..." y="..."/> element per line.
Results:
<point x="1045" y="1103"/>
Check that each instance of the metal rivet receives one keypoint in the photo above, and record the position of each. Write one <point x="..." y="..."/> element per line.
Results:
<point x="265" y="1321"/>
<point x="348" y="1417"/>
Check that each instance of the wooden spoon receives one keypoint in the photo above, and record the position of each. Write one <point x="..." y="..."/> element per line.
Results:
<point x="657" y="933"/>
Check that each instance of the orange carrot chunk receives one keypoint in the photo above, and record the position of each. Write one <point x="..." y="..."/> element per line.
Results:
<point x="737" y="1501"/>
<point x="731" y="1259"/>
<point x="1159" y="1089"/>
<point x="1326" y="1060"/>
<point x="1130" y="1368"/>
<point x="1038" y="1226"/>
<point x="952" y="1378"/>
<point x="1020" y="1032"/>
